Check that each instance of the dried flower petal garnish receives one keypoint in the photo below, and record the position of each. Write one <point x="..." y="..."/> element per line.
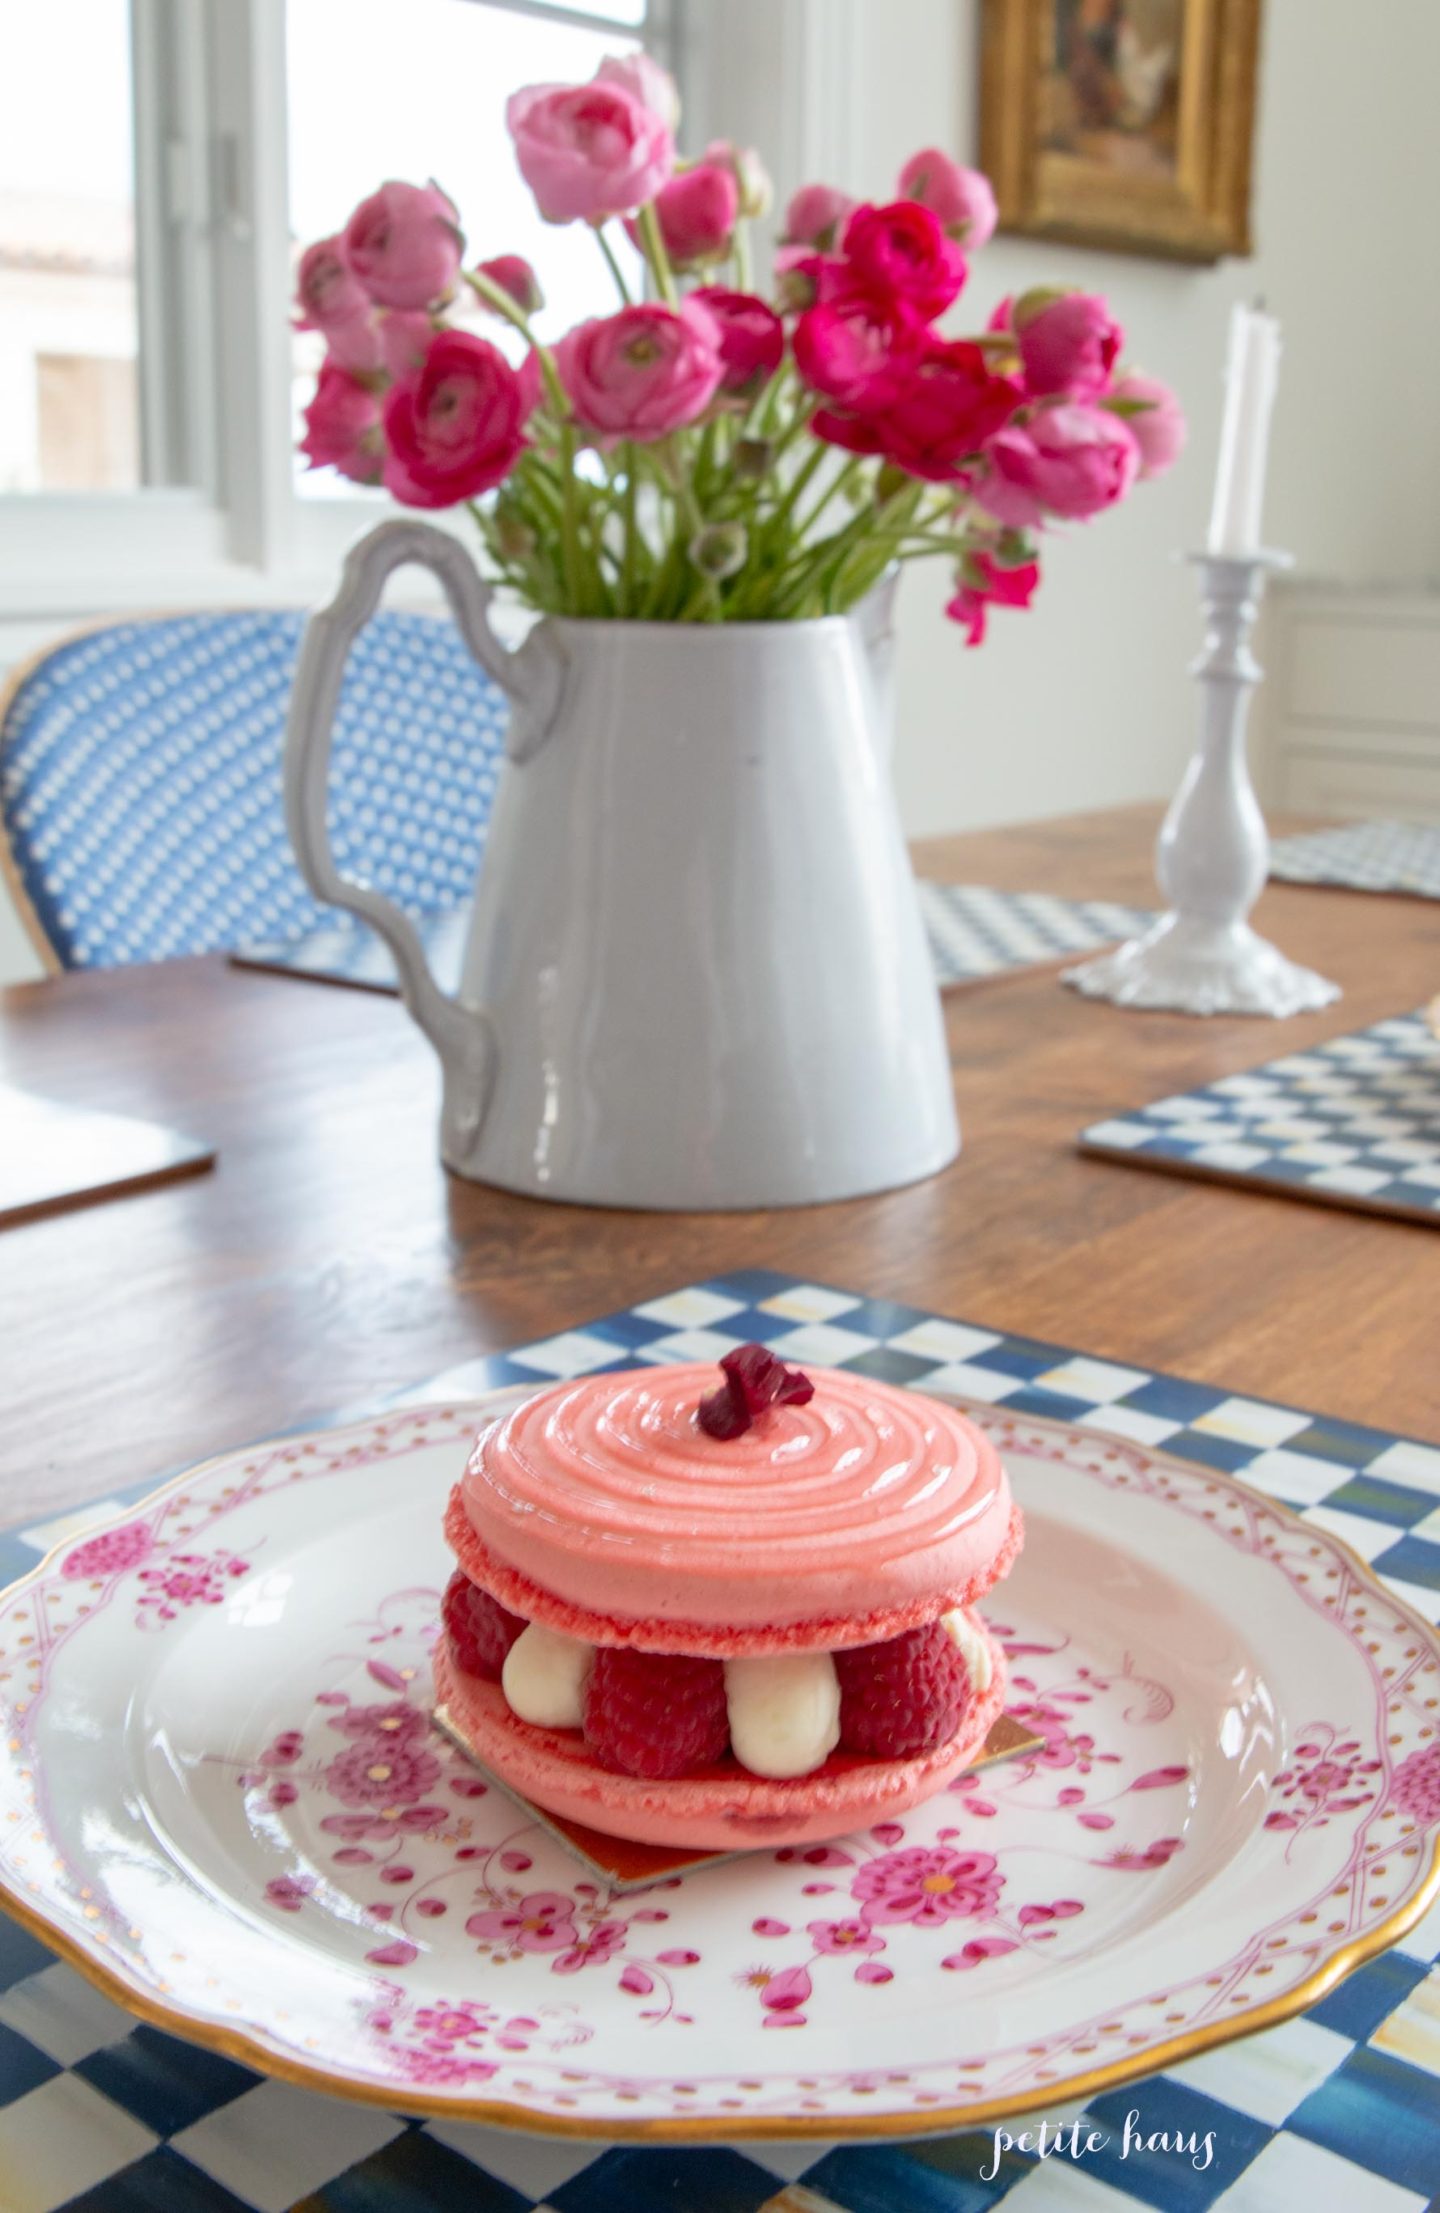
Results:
<point x="754" y="1381"/>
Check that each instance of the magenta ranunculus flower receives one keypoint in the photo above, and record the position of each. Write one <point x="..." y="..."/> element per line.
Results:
<point x="901" y="253"/>
<point x="984" y="582"/>
<point x="938" y="416"/>
<point x="1071" y="461"/>
<point x="457" y="425"/>
<point x="403" y="245"/>
<point x="342" y="426"/>
<point x="1069" y="345"/>
<point x="643" y="78"/>
<point x="960" y="198"/>
<point x="643" y="372"/>
<point x="858" y="350"/>
<point x="1158" y="427"/>
<point x="752" y="336"/>
<point x="514" y="275"/>
<point x="589" y="151"/>
<point x="697" y="212"/>
<point x="816" y="215"/>
<point x="327" y="291"/>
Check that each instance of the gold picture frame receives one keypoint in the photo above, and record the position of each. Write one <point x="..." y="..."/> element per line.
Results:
<point x="1122" y="123"/>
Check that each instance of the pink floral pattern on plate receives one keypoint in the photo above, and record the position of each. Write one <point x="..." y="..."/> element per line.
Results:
<point x="492" y="1969"/>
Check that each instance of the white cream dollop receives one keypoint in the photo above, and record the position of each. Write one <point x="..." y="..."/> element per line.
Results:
<point x="973" y="1646"/>
<point x="784" y="1711"/>
<point x="544" y="1677"/>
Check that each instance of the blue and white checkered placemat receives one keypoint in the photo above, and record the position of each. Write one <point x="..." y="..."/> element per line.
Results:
<point x="1355" y="1122"/>
<point x="973" y="932"/>
<point x="1336" y="2112"/>
<point x="1363" y="856"/>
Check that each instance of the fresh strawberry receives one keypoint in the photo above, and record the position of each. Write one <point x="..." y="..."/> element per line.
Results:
<point x="904" y="1696"/>
<point x="481" y="1629"/>
<point x="655" y="1714"/>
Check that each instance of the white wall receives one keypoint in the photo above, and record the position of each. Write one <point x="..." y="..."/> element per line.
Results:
<point x="1084" y="701"/>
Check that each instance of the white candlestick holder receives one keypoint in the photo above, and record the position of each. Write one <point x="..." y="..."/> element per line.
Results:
<point x="1213" y="852"/>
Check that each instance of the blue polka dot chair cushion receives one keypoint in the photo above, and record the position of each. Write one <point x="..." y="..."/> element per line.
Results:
<point x="140" y="784"/>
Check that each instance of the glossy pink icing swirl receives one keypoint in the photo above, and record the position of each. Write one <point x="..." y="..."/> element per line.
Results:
<point x="608" y="1493"/>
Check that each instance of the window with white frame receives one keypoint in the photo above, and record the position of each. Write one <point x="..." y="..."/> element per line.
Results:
<point x="161" y="163"/>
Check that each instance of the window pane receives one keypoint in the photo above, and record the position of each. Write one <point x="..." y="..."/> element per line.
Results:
<point x="69" y="409"/>
<point x="441" y="114"/>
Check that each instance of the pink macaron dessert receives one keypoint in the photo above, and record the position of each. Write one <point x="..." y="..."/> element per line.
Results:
<point x="723" y="1610"/>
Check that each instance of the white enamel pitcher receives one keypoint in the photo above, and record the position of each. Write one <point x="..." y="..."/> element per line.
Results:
<point x="696" y="975"/>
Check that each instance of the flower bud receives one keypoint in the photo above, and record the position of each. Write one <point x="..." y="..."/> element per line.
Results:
<point x="719" y="550"/>
<point x="757" y="192"/>
<point x="513" y="275"/>
<point x="515" y="538"/>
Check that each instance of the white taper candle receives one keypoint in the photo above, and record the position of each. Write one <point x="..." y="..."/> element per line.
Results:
<point x="1251" y="373"/>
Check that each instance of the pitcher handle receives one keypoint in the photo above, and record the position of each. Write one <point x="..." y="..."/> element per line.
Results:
<point x="533" y="676"/>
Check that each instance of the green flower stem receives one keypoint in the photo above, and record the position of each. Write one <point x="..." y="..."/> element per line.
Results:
<point x="785" y="507"/>
<point x="654" y="249"/>
<point x="740" y="243"/>
<point x="838" y="484"/>
<point x="495" y="295"/>
<point x="615" y="269"/>
<point x="570" y="521"/>
<point x="627" y="570"/>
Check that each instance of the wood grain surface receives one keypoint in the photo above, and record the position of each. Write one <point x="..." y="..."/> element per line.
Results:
<point x="328" y="1259"/>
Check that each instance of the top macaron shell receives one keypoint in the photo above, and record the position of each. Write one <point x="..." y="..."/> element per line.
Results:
<point x="602" y="1506"/>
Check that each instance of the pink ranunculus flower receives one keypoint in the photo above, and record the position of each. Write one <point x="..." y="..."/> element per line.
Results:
<point x="589" y="151"/>
<point x="697" y="212"/>
<point x="327" y="291"/>
<point x="961" y="198"/>
<point x="356" y="345"/>
<point x="542" y="1921"/>
<point x="1158" y="428"/>
<point x="643" y="78"/>
<point x="515" y="277"/>
<point x="1069" y="346"/>
<point x="403" y="336"/>
<point x="816" y="215"/>
<point x="752" y="336"/>
<point x="456" y="427"/>
<point x="642" y="372"/>
<point x="928" y="1887"/>
<point x="404" y="245"/>
<point x="1071" y="461"/>
<point x="901" y="253"/>
<point x="342" y="426"/>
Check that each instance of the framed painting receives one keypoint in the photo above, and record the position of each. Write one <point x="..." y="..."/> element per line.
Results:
<point x="1122" y="123"/>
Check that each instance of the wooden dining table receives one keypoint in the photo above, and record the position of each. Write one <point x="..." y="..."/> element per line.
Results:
<point x="328" y="1260"/>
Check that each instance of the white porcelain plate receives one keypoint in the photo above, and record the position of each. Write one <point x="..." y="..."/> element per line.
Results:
<point x="221" y="1797"/>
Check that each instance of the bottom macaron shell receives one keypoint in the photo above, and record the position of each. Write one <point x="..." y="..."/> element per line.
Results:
<point x="722" y="1810"/>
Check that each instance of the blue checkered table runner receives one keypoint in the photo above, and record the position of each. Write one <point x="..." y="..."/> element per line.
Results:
<point x="1363" y="856"/>
<point x="1354" y="1122"/>
<point x="973" y="932"/>
<point x="1336" y="2112"/>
